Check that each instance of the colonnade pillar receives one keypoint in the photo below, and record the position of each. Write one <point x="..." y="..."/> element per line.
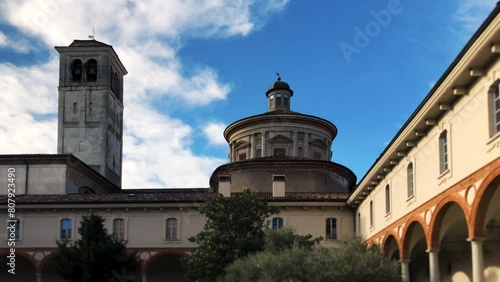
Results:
<point x="405" y="270"/>
<point x="477" y="259"/>
<point x="433" y="265"/>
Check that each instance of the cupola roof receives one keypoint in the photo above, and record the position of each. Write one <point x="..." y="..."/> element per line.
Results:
<point x="279" y="85"/>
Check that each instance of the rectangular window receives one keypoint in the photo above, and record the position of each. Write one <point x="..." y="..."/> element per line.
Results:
<point x="171" y="232"/>
<point x="277" y="223"/>
<point x="66" y="229"/>
<point x="300" y="138"/>
<point x="387" y="199"/>
<point x="279" y="152"/>
<point x="258" y="153"/>
<point x="443" y="151"/>
<point x="371" y="213"/>
<point x="496" y="110"/>
<point x="331" y="228"/>
<point x="300" y="152"/>
<point x="410" y="180"/>
<point x="119" y="229"/>
<point x="258" y="139"/>
<point x="242" y="157"/>
<point x="278" y="100"/>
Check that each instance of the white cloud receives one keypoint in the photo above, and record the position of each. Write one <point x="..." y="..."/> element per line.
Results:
<point x="18" y="44"/>
<point x="26" y="93"/>
<point x="147" y="36"/>
<point x="471" y="13"/>
<point x="214" y="133"/>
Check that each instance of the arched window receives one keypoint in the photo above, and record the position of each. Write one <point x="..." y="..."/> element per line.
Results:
<point x="331" y="228"/>
<point x="387" y="199"/>
<point x="91" y="70"/>
<point x="300" y="152"/>
<point x="371" y="213"/>
<point x="443" y="151"/>
<point x="495" y="110"/>
<point x="277" y="223"/>
<point x="76" y="70"/>
<point x="171" y="229"/>
<point x="119" y="229"/>
<point x="411" y="188"/>
<point x="66" y="229"/>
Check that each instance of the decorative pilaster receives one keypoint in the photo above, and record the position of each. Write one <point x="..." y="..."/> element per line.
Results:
<point x="253" y="146"/>
<point x="264" y="143"/>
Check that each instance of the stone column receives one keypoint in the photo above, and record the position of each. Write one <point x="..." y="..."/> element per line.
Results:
<point x="39" y="277"/>
<point x="405" y="270"/>
<point x="144" y="277"/>
<point x="477" y="259"/>
<point x="433" y="265"/>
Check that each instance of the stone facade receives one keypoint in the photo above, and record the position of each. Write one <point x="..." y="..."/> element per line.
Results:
<point x="91" y="106"/>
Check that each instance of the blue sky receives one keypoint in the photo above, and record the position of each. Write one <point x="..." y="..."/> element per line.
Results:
<point x="196" y="66"/>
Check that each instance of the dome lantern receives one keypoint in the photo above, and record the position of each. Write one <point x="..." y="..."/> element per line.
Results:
<point x="279" y="94"/>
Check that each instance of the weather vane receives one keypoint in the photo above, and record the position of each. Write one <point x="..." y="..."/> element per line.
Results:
<point x="93" y="34"/>
<point x="279" y="77"/>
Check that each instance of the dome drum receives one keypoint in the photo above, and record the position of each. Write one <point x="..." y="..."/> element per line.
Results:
<point x="299" y="175"/>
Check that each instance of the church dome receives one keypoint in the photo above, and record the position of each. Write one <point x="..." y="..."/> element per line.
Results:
<point x="279" y="85"/>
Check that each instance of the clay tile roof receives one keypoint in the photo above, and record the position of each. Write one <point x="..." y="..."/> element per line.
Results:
<point x="165" y="197"/>
<point x="304" y="197"/>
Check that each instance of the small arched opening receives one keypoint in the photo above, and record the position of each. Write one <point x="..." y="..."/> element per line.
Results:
<point x="91" y="70"/>
<point x="76" y="70"/>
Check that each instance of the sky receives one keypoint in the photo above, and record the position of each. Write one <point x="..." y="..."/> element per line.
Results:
<point x="194" y="67"/>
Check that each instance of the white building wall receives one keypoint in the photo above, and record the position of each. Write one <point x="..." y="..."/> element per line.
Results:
<point x="470" y="148"/>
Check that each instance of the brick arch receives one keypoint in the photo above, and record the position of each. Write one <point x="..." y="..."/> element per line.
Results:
<point x="21" y="254"/>
<point x="388" y="235"/>
<point x="482" y="201"/>
<point x="145" y="265"/>
<point x="438" y="214"/>
<point x="405" y="239"/>
<point x="46" y="260"/>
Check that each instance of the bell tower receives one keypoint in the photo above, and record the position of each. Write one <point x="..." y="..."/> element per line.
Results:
<point x="90" y="111"/>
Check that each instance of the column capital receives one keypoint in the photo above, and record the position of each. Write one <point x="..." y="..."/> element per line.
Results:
<point x="405" y="260"/>
<point x="476" y="239"/>
<point x="433" y="250"/>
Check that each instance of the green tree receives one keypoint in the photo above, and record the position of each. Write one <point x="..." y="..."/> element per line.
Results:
<point x="234" y="228"/>
<point x="97" y="256"/>
<point x="284" y="238"/>
<point x="351" y="261"/>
